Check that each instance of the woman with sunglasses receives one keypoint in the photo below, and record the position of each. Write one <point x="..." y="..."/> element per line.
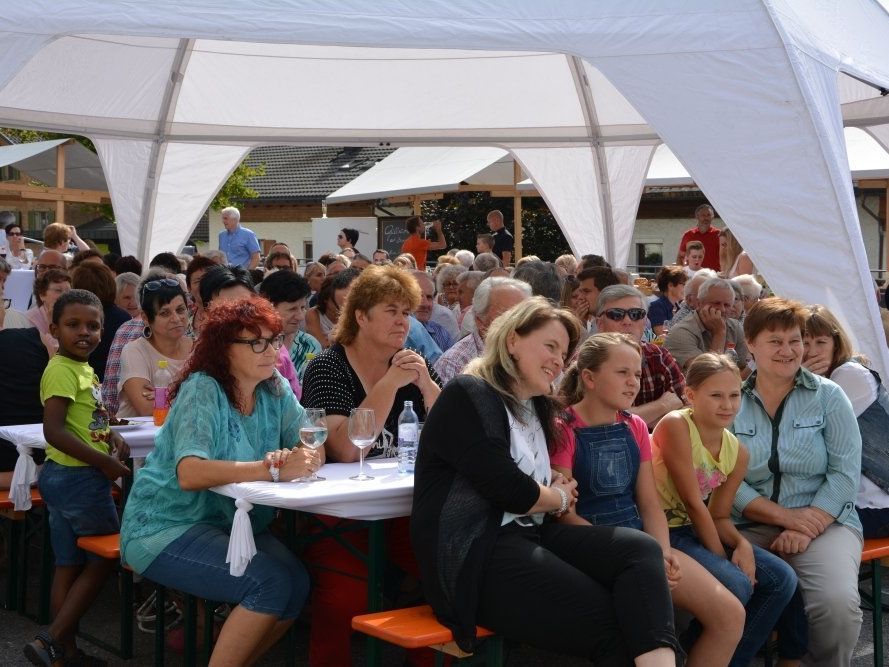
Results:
<point x="18" y="255"/>
<point x="232" y="419"/>
<point x="163" y="339"/>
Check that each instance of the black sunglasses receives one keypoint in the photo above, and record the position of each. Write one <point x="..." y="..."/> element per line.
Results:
<point x="7" y="304"/>
<point x="154" y="285"/>
<point x="618" y="314"/>
<point x="13" y="233"/>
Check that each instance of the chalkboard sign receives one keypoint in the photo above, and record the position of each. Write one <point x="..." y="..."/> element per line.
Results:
<point x="393" y="233"/>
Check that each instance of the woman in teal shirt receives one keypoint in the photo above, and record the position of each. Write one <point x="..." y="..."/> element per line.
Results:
<point x="233" y="419"/>
<point x="802" y="478"/>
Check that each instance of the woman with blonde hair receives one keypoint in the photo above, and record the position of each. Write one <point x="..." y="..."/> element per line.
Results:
<point x="828" y="352"/>
<point x="733" y="261"/>
<point x="488" y="552"/>
<point x="405" y="261"/>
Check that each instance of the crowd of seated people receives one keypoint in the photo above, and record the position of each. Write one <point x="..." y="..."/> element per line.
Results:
<point x="566" y="409"/>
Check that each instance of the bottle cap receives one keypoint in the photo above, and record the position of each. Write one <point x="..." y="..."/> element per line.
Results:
<point x="162" y="363"/>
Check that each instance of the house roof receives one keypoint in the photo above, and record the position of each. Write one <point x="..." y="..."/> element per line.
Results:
<point x="309" y="173"/>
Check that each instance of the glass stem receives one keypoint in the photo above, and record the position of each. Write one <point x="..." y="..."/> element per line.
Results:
<point x="361" y="462"/>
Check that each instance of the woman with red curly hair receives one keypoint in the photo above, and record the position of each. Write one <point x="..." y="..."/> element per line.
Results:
<point x="232" y="419"/>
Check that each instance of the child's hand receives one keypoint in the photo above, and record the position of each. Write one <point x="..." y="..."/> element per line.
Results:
<point x="743" y="558"/>
<point x="119" y="447"/>
<point x="671" y="565"/>
<point x="112" y="468"/>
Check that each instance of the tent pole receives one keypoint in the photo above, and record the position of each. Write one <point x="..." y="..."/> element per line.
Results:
<point x="60" y="181"/>
<point x="884" y="215"/>
<point x="516" y="210"/>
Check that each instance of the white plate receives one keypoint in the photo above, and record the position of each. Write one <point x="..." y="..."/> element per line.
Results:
<point x="140" y="420"/>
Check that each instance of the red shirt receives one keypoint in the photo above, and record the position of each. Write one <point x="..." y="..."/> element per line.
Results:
<point x="710" y="239"/>
<point x="418" y="247"/>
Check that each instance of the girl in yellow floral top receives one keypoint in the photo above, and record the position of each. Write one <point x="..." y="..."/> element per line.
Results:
<point x="698" y="467"/>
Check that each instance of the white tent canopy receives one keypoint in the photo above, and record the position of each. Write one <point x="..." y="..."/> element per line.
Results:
<point x="410" y="171"/>
<point x="751" y="96"/>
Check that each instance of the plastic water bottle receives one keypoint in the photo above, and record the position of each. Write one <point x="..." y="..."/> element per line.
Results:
<point x="408" y="436"/>
<point x="732" y="353"/>
<point x="163" y="378"/>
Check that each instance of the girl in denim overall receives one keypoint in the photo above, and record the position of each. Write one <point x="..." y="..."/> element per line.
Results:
<point x="698" y="467"/>
<point x="607" y="449"/>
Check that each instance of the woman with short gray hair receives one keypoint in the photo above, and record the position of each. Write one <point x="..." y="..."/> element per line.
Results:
<point x="446" y="284"/>
<point x="128" y="293"/>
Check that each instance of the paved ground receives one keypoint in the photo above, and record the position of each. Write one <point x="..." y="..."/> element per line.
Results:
<point x="103" y="621"/>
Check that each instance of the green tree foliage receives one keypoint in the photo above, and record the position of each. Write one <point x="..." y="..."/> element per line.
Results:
<point x="237" y="187"/>
<point x="464" y="215"/>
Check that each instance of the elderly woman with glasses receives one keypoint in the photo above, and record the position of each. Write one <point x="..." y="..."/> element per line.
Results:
<point x="232" y="419"/>
<point x="48" y="287"/>
<point x="166" y="321"/>
<point x="323" y="316"/>
<point x="9" y="319"/>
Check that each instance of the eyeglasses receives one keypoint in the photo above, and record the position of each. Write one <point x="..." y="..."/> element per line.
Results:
<point x="154" y="285"/>
<point x="260" y="345"/>
<point x="7" y="304"/>
<point x="13" y="233"/>
<point x="47" y="267"/>
<point x="618" y="314"/>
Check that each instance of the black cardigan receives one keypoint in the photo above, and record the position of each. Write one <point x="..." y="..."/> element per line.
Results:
<point x="465" y="479"/>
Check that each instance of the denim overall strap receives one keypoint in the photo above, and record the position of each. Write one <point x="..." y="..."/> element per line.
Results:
<point x="874" y="426"/>
<point x="606" y="465"/>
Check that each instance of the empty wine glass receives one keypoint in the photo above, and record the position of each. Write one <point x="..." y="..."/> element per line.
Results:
<point x="362" y="433"/>
<point x="313" y="433"/>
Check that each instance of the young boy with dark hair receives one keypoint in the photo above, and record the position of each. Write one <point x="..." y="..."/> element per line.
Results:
<point x="83" y="456"/>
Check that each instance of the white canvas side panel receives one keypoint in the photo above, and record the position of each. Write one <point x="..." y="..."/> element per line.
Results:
<point x="880" y="133"/>
<point x="567" y="180"/>
<point x="125" y="163"/>
<point x="190" y="176"/>
<point x="417" y="170"/>
<point x="626" y="177"/>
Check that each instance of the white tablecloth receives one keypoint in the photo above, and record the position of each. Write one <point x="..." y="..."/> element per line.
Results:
<point x="27" y="437"/>
<point x="387" y="496"/>
<point x="19" y="287"/>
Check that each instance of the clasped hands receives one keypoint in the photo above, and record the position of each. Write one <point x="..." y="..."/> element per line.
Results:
<point x="801" y="526"/>
<point x="293" y="463"/>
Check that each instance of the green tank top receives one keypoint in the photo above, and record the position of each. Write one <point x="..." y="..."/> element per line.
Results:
<point x="710" y="472"/>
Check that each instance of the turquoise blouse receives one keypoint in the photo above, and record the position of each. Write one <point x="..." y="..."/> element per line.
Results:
<point x="204" y="424"/>
<point x="817" y="444"/>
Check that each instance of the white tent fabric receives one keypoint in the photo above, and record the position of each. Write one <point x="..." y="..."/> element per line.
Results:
<point x="751" y="96"/>
<point x="416" y="170"/>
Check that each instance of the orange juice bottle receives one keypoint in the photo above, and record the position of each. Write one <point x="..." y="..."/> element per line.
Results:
<point x="162" y="381"/>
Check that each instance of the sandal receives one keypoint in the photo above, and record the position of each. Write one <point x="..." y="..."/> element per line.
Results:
<point x="81" y="659"/>
<point x="44" y="650"/>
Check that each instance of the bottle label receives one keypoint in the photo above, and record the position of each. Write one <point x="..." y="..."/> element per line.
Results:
<point x="407" y="433"/>
<point x="160" y="398"/>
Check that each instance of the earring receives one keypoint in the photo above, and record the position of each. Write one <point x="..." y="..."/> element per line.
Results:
<point x="146" y="331"/>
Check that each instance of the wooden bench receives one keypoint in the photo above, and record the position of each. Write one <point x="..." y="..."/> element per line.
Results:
<point x="417" y="627"/>
<point x="873" y="552"/>
<point x="108" y="546"/>
<point x="16" y="552"/>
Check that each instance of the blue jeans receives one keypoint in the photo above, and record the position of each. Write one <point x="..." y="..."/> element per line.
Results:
<point x="80" y="503"/>
<point x="275" y="581"/>
<point x="775" y="585"/>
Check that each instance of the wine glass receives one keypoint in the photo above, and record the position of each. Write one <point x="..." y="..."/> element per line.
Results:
<point x="362" y="433"/>
<point x="313" y="433"/>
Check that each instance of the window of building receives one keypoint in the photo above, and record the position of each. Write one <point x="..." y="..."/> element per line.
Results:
<point x="308" y="252"/>
<point x="649" y="258"/>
